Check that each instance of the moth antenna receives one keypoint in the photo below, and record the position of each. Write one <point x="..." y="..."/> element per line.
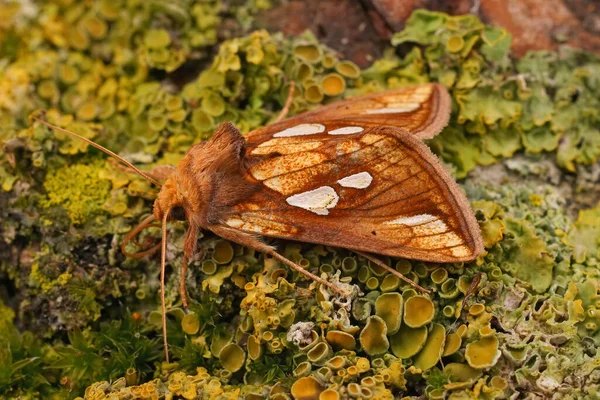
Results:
<point x="131" y="235"/>
<point x="101" y="148"/>
<point x="288" y="102"/>
<point x="163" y="265"/>
<point x="391" y="270"/>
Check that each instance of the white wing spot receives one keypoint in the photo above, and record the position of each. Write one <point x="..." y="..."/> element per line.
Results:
<point x="412" y="221"/>
<point x="286" y="164"/>
<point x="430" y="228"/>
<point x="460" y="251"/>
<point x="285" y="146"/>
<point x="301" y="130"/>
<point x="408" y="107"/>
<point x="346" y="130"/>
<point x="260" y="225"/>
<point x="318" y="200"/>
<point x="235" y="222"/>
<point x="358" y="181"/>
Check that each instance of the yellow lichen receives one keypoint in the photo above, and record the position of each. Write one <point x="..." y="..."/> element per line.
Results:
<point x="483" y="353"/>
<point x="232" y="357"/>
<point x="388" y="306"/>
<point x="418" y="311"/>
<point x="373" y="337"/>
<point x="307" y="388"/>
<point x="78" y="189"/>
<point x="333" y="84"/>
<point x="433" y="349"/>
<point x="408" y="341"/>
<point x="190" y="324"/>
<point x="341" y="340"/>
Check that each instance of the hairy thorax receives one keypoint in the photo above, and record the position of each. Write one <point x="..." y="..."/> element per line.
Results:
<point x="212" y="175"/>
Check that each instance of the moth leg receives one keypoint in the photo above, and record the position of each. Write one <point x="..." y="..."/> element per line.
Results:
<point x="288" y="102"/>
<point x="470" y="292"/>
<point x="251" y="241"/>
<point x="298" y="268"/>
<point x="391" y="270"/>
<point x="189" y="248"/>
<point x="159" y="172"/>
<point x="146" y="223"/>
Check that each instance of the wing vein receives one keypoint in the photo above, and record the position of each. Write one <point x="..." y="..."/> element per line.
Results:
<point x="333" y="160"/>
<point x="386" y="189"/>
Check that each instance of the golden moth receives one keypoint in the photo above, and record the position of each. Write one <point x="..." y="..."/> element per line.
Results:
<point x="352" y="174"/>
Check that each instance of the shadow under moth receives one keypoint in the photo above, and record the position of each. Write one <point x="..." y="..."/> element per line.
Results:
<point x="352" y="174"/>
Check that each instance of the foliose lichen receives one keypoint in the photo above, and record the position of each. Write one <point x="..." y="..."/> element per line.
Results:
<point x="543" y="102"/>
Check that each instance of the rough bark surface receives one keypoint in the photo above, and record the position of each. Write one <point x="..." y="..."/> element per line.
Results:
<point x="344" y="25"/>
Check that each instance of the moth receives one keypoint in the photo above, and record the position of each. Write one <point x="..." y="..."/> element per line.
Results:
<point x="353" y="174"/>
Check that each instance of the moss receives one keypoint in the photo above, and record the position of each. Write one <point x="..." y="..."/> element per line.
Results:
<point x="22" y="354"/>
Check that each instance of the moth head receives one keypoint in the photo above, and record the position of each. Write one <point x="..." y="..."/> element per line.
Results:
<point x="183" y="195"/>
<point x="169" y="203"/>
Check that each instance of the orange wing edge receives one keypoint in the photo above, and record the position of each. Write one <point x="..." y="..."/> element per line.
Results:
<point x="438" y="118"/>
<point x="468" y="223"/>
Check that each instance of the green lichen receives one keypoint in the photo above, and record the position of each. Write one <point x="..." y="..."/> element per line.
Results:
<point x="583" y="236"/>
<point x="526" y="256"/>
<point x="544" y="102"/>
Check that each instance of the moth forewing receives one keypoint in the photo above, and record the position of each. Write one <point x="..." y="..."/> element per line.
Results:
<point x="380" y="191"/>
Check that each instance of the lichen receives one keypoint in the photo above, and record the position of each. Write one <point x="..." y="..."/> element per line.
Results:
<point x="78" y="189"/>
<point x="78" y="318"/>
<point x="583" y="236"/>
<point x="503" y="105"/>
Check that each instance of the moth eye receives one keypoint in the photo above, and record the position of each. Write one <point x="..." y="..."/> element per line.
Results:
<point x="177" y="213"/>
